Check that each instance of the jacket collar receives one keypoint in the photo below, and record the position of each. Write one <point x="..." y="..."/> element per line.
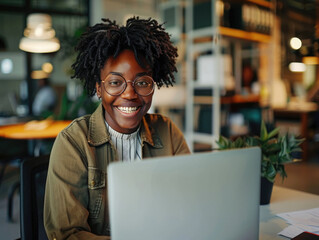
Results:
<point x="149" y="134"/>
<point x="99" y="135"/>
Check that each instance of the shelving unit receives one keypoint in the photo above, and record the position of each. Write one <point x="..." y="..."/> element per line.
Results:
<point x="262" y="3"/>
<point x="248" y="36"/>
<point x="235" y="33"/>
<point x="217" y="39"/>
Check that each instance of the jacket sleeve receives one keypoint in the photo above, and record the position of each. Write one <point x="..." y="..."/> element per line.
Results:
<point x="66" y="196"/>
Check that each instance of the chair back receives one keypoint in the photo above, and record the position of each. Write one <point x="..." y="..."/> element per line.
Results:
<point x="33" y="174"/>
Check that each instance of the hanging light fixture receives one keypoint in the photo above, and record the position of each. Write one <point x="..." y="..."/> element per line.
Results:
<point x="39" y="36"/>
<point x="297" y="67"/>
<point x="295" y="43"/>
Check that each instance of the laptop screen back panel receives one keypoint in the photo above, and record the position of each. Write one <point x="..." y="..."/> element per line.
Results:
<point x="201" y="196"/>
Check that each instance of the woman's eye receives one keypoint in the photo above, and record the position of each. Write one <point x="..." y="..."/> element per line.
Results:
<point x="142" y="83"/>
<point x="115" y="82"/>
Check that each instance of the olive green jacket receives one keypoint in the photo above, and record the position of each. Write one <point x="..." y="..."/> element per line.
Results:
<point x="76" y="205"/>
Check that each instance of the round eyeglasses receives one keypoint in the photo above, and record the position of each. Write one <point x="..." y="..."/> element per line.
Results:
<point x="115" y="84"/>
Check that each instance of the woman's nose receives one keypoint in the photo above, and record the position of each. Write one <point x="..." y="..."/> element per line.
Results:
<point x="129" y="92"/>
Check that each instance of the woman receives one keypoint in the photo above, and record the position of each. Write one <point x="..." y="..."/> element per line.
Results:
<point x="121" y="65"/>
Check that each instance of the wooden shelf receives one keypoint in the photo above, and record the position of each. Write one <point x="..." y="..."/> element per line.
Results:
<point x="236" y="99"/>
<point x="238" y="34"/>
<point x="262" y="3"/>
<point x="311" y="60"/>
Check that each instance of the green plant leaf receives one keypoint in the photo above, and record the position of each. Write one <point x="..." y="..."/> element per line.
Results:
<point x="273" y="158"/>
<point x="239" y="143"/>
<point x="263" y="132"/>
<point x="273" y="133"/>
<point x="271" y="171"/>
<point x="223" y="143"/>
<point x="271" y="148"/>
<point x="282" y="172"/>
<point x="276" y="150"/>
<point x="284" y="148"/>
<point x="252" y="141"/>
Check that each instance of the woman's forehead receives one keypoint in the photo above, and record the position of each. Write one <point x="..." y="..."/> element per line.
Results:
<point x="124" y="63"/>
<point x="126" y="60"/>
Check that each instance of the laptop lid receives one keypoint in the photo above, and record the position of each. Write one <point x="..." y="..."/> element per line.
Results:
<point x="201" y="196"/>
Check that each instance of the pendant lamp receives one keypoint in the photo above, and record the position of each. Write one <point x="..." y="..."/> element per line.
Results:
<point x="39" y="36"/>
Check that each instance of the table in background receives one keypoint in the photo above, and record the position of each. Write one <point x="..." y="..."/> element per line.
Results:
<point x="283" y="200"/>
<point x="33" y="130"/>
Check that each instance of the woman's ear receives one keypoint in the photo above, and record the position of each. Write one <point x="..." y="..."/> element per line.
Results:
<point x="98" y="90"/>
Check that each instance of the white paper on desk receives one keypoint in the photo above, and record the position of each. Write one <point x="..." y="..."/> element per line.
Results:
<point x="307" y="220"/>
<point x="291" y="231"/>
<point x="308" y="217"/>
<point x="294" y="230"/>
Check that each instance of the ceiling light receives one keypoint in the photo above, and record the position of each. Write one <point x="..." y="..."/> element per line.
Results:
<point x="39" y="46"/>
<point x="39" y="37"/>
<point x="297" y="67"/>
<point x="6" y="66"/>
<point x="47" y="67"/>
<point x="295" y="43"/>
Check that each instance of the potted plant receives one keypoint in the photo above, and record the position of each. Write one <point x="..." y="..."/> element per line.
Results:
<point x="276" y="152"/>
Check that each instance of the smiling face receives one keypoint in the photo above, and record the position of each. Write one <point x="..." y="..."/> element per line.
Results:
<point x="124" y="112"/>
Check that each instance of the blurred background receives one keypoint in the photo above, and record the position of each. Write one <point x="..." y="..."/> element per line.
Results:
<point x="240" y="62"/>
<point x="253" y="57"/>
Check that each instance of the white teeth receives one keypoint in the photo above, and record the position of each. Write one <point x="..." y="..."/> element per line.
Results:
<point x="127" y="109"/>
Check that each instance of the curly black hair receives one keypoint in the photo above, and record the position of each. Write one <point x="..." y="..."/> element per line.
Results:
<point x="145" y="37"/>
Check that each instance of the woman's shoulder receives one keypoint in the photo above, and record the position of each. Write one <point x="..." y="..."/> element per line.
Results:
<point x="157" y="118"/>
<point x="78" y="126"/>
<point x="159" y="121"/>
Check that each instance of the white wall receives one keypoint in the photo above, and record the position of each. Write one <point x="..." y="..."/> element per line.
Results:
<point x="119" y="10"/>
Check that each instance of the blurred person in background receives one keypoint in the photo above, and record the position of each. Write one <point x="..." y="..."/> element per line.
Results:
<point x="45" y="98"/>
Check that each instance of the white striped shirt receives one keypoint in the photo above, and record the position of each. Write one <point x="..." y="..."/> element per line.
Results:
<point x="128" y="146"/>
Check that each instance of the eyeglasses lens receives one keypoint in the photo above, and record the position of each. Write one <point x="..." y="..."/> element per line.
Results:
<point x="116" y="85"/>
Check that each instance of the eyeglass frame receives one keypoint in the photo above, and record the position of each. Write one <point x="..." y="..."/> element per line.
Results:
<point x="128" y="81"/>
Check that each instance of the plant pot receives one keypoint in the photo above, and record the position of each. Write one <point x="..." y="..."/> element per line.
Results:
<point x="265" y="191"/>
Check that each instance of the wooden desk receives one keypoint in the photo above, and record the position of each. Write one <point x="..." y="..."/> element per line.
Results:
<point x="283" y="200"/>
<point x="34" y="129"/>
<point x="301" y="117"/>
<point x="30" y="131"/>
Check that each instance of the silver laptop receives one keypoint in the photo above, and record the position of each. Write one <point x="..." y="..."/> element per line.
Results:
<point x="202" y="196"/>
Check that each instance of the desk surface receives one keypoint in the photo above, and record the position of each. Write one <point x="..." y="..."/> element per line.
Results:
<point x="33" y="129"/>
<point x="283" y="200"/>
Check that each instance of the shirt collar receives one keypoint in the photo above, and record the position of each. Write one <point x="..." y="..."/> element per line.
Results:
<point x="117" y="134"/>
